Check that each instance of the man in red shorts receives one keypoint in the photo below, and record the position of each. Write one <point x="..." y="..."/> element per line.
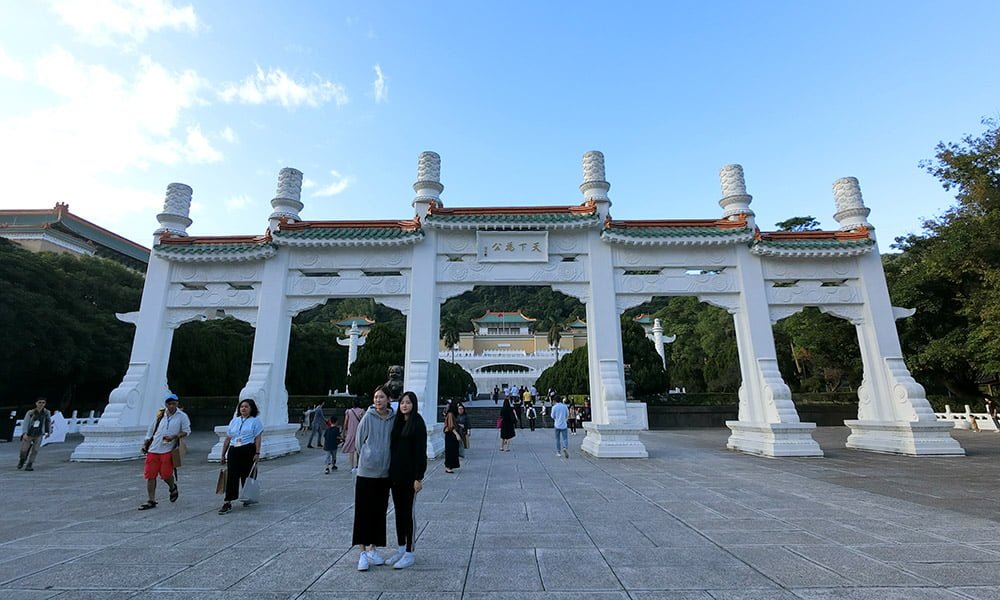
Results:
<point x="163" y="436"/>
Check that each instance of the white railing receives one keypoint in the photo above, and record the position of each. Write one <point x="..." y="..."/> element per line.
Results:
<point x="72" y="423"/>
<point x="965" y="420"/>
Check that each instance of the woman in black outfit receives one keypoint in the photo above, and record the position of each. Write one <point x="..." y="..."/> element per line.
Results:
<point x="451" y="436"/>
<point x="407" y="463"/>
<point x="508" y="420"/>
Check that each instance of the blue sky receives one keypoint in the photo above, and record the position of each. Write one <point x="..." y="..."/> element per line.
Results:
<point x="105" y="102"/>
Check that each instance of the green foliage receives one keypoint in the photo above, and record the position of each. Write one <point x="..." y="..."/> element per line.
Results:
<point x="453" y="380"/>
<point x="647" y="374"/>
<point x="316" y="362"/>
<point x="210" y="358"/>
<point x="818" y="352"/>
<point x="62" y="340"/>
<point x="798" y="224"/>
<point x="570" y="374"/>
<point x="385" y="346"/>
<point x="551" y="308"/>
<point x="951" y="272"/>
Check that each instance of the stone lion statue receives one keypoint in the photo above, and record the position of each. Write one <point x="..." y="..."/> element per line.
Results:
<point x="394" y="386"/>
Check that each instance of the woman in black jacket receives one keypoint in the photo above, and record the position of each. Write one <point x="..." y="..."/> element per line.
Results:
<point x="407" y="463"/>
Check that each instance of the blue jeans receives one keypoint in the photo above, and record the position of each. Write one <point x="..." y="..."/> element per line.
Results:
<point x="564" y="434"/>
<point x="331" y="457"/>
<point x="318" y="434"/>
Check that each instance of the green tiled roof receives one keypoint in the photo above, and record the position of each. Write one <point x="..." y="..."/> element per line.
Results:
<point x="196" y="249"/>
<point x="503" y="317"/>
<point x="347" y="233"/>
<point x="813" y="244"/>
<point x="674" y="232"/>
<point x="527" y="219"/>
<point x="60" y="219"/>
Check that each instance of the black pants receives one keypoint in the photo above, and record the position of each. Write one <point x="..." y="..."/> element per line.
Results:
<point x="239" y="461"/>
<point x="531" y="421"/>
<point x="404" y="499"/>
<point x="371" y="503"/>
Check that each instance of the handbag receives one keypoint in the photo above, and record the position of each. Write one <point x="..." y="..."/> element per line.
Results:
<point x="177" y="454"/>
<point x="220" y="484"/>
<point x="499" y="422"/>
<point x="251" y="488"/>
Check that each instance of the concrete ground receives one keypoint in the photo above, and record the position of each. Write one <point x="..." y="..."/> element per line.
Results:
<point x="694" y="521"/>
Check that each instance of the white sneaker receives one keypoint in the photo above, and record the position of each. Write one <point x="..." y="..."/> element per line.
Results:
<point x="565" y="453"/>
<point x="354" y="470"/>
<point x="398" y="554"/>
<point x="363" y="562"/>
<point x="375" y="558"/>
<point x="406" y="561"/>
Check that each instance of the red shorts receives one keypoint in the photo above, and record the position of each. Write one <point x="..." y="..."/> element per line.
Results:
<point x="158" y="464"/>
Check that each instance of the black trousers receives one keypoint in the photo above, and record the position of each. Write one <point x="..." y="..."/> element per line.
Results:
<point x="371" y="503"/>
<point x="404" y="498"/>
<point x="239" y="461"/>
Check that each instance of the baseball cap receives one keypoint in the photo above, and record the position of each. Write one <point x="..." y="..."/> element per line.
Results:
<point x="171" y="398"/>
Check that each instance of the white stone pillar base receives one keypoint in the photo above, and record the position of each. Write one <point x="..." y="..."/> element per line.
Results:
<point x="277" y="440"/>
<point x="612" y="441"/>
<point x="109" y="443"/>
<point x="913" y="438"/>
<point x="435" y="441"/>
<point x="773" y="439"/>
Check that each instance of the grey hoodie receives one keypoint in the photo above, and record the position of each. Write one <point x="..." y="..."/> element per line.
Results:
<point x="372" y="443"/>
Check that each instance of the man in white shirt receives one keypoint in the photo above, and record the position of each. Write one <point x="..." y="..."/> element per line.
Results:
<point x="560" y="416"/>
<point x="164" y="434"/>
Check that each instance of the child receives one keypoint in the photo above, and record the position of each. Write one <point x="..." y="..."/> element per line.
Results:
<point x="331" y="439"/>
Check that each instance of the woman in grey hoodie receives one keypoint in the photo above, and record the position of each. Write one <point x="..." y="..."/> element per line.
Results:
<point x="371" y="487"/>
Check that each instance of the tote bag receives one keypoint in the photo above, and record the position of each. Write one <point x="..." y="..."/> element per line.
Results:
<point x="251" y="489"/>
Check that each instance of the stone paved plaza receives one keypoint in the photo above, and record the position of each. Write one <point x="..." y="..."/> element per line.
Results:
<point x="694" y="521"/>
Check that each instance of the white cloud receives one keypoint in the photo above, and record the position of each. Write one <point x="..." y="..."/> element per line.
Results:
<point x="276" y="86"/>
<point x="381" y="87"/>
<point x="199" y="149"/>
<point x="229" y="135"/>
<point x="238" y="202"/>
<point x="96" y="124"/>
<point x="10" y="68"/>
<point x="338" y="185"/>
<point x="103" y="21"/>
<point x="308" y="183"/>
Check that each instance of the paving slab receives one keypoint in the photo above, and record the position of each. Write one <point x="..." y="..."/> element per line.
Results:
<point x="692" y="522"/>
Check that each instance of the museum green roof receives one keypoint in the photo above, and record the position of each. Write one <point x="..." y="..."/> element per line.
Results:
<point x="504" y="317"/>
<point x="784" y="241"/>
<point x="358" y="231"/>
<point x="650" y="230"/>
<point x="105" y="243"/>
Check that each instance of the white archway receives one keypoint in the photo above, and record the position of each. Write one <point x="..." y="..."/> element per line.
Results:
<point x="414" y="265"/>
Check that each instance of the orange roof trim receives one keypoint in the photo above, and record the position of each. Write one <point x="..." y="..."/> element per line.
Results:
<point x="177" y="240"/>
<point x="739" y="223"/>
<point x="587" y="208"/>
<point x="407" y="225"/>
<point x="861" y="233"/>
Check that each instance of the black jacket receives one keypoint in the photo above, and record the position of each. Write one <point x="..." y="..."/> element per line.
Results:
<point x="408" y="454"/>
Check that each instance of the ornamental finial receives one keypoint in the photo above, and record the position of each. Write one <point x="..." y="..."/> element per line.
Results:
<point x="594" y="185"/>
<point x="176" y="207"/>
<point x="851" y="210"/>
<point x="735" y="199"/>
<point x="287" y="199"/>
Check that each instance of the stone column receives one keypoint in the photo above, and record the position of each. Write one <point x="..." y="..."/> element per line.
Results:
<point x="269" y="360"/>
<point x="768" y="423"/>
<point x="119" y="432"/>
<point x="614" y="429"/>
<point x="423" y="320"/>
<point x="893" y="412"/>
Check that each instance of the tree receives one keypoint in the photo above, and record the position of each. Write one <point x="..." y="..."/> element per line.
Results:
<point x="648" y="376"/>
<point x="62" y="340"/>
<point x="451" y="332"/>
<point x="385" y="346"/>
<point x="453" y="380"/>
<point x="570" y="374"/>
<point x="210" y="358"/>
<point x="798" y="224"/>
<point x="951" y="271"/>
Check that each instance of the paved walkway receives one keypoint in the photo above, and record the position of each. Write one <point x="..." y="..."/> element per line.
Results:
<point x="692" y="522"/>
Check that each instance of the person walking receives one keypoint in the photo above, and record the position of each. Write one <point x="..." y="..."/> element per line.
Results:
<point x="37" y="423"/>
<point x="495" y="396"/>
<point x="560" y="416"/>
<point x="331" y="439"/>
<point x="452" y="439"/>
<point x="163" y="435"/>
<point x="518" y="405"/>
<point x="531" y="417"/>
<point x="508" y="421"/>
<point x="372" y="485"/>
<point x="316" y="427"/>
<point x="464" y="424"/>
<point x="991" y="410"/>
<point x="407" y="465"/>
<point x="240" y="450"/>
<point x="352" y="417"/>
<point x="571" y="419"/>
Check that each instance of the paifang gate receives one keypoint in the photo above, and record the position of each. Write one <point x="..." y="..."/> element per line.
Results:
<point x="415" y="264"/>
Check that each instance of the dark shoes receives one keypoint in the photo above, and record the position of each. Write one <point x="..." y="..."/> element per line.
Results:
<point x="20" y="466"/>
<point x="174" y="493"/>
<point x="148" y="505"/>
<point x="28" y="467"/>
<point x="225" y="508"/>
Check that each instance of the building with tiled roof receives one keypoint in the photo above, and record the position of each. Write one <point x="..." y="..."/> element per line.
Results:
<point x="59" y="230"/>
